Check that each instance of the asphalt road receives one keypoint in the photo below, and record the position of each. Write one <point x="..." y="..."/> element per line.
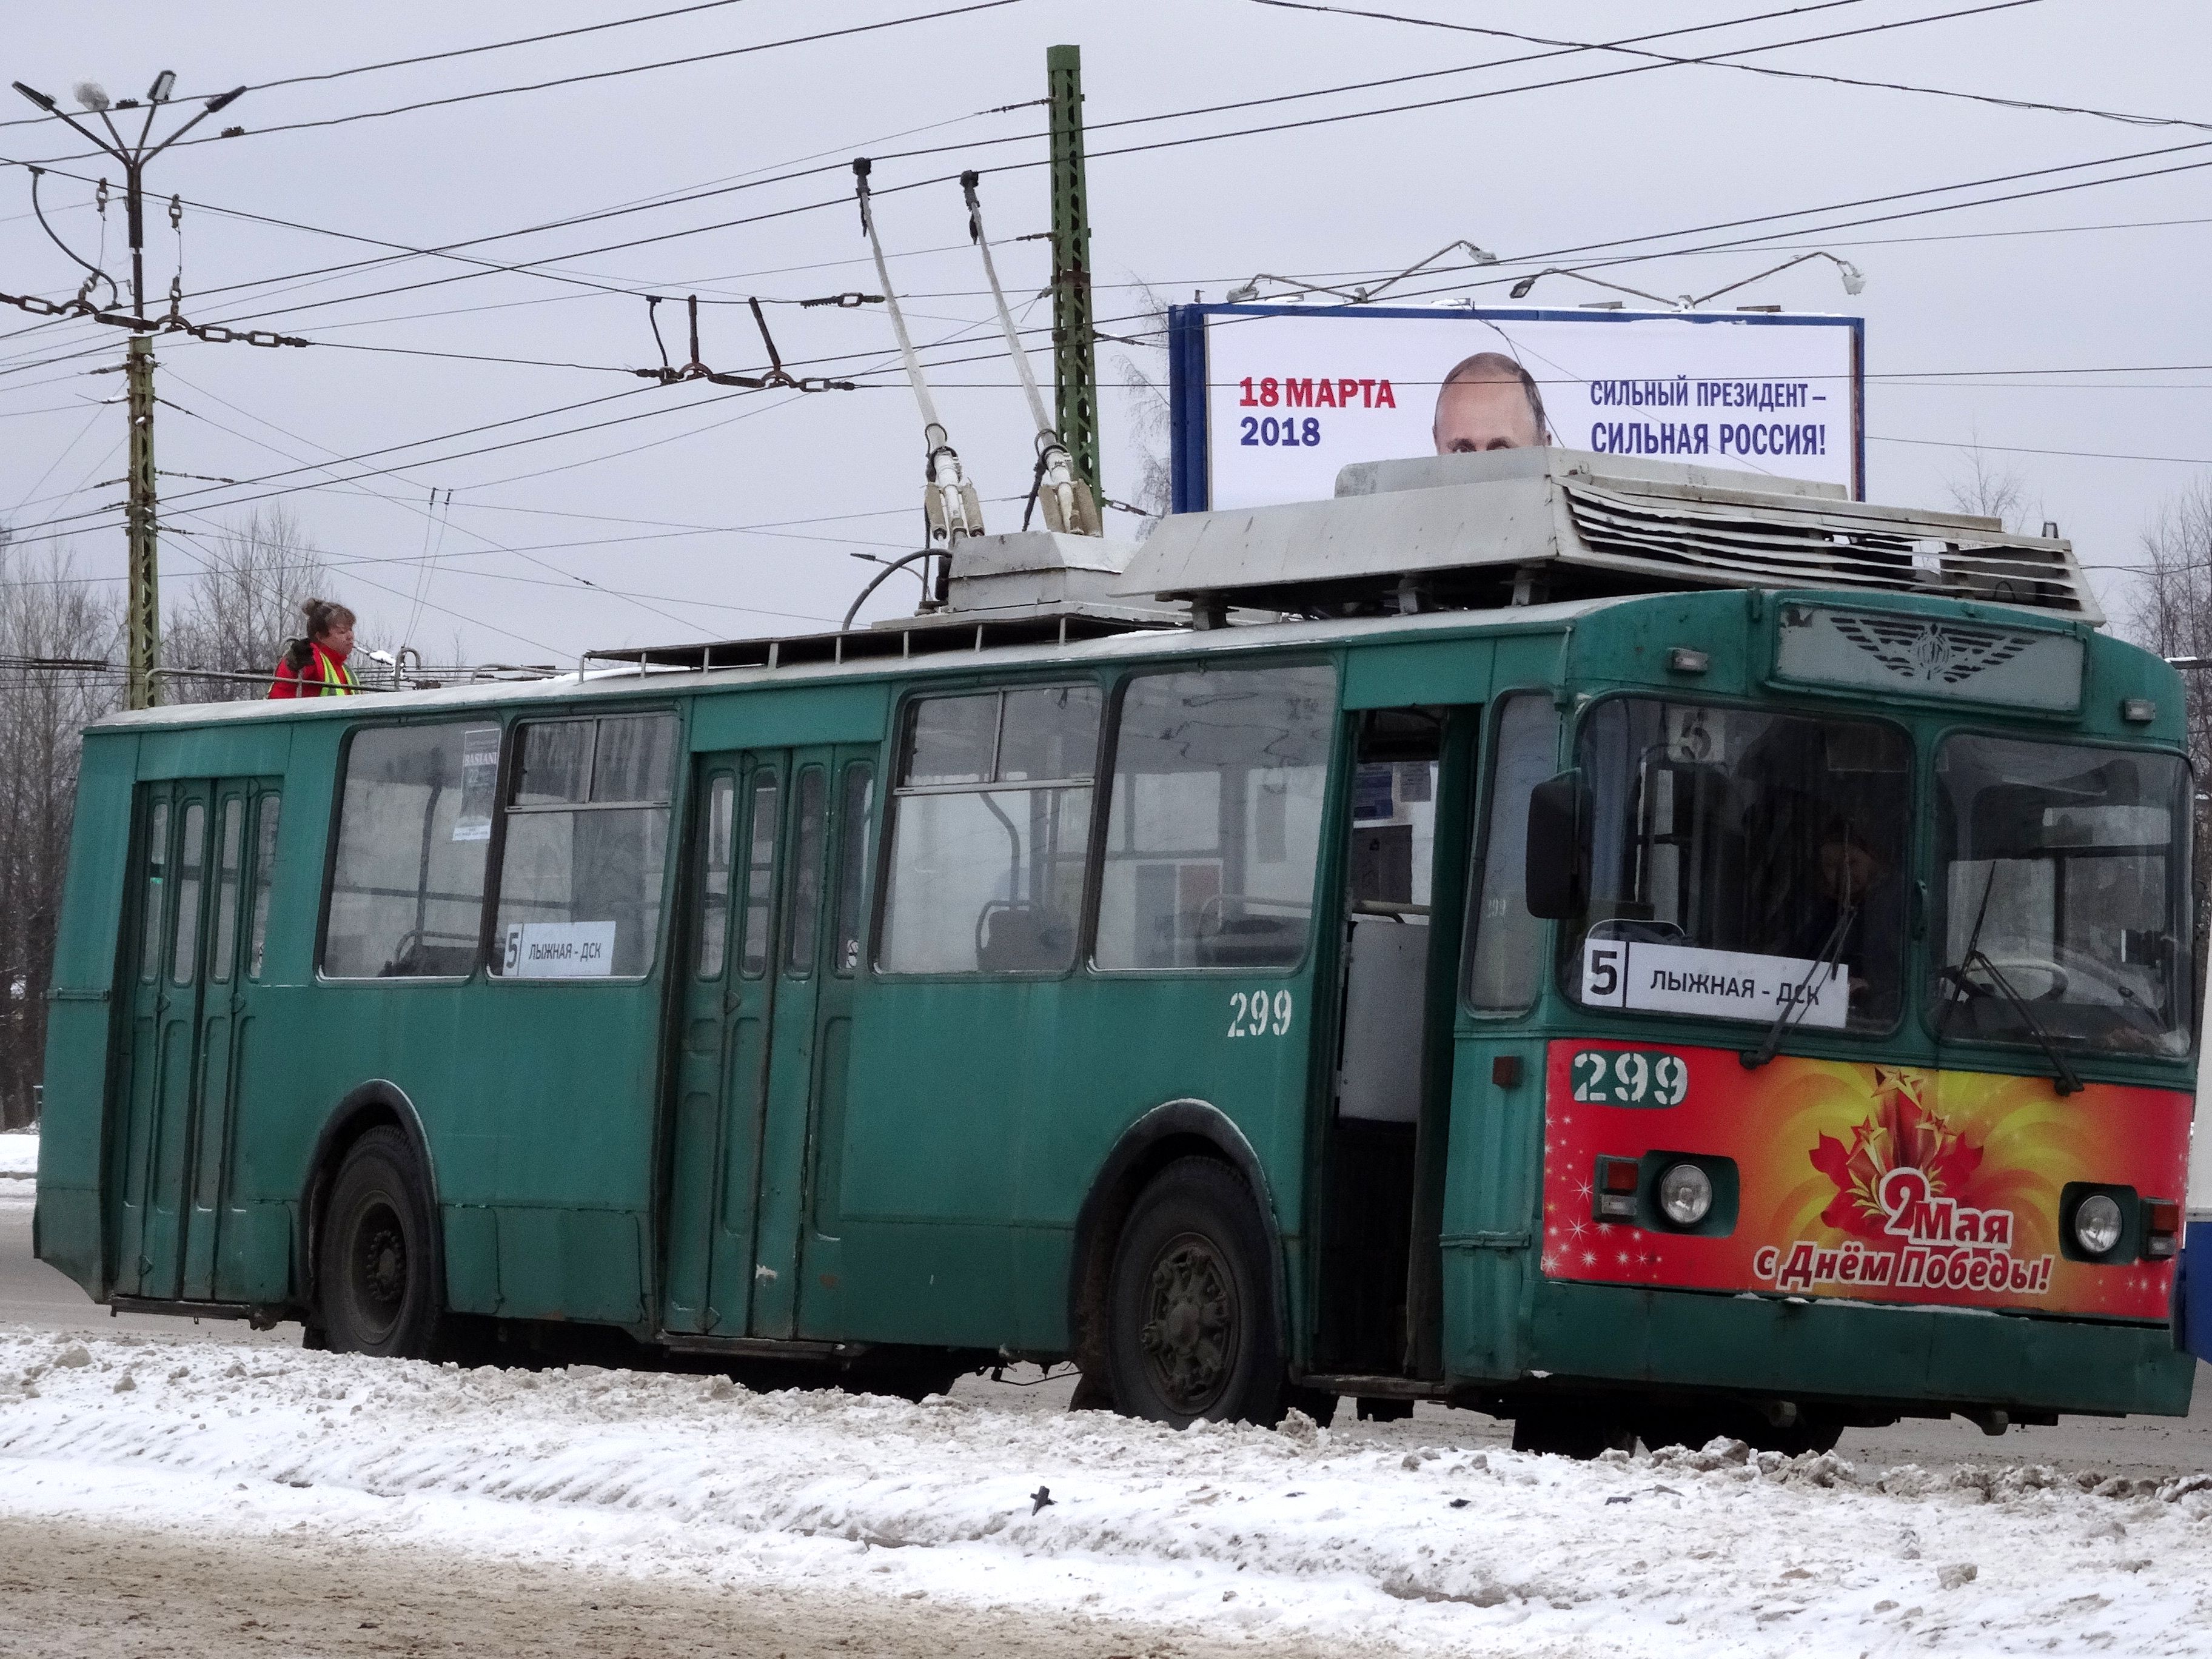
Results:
<point x="33" y="1294"/>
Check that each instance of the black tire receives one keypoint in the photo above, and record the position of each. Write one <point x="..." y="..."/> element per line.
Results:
<point x="1191" y="1329"/>
<point x="376" y="1279"/>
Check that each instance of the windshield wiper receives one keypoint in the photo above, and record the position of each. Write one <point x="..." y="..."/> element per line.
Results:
<point x="1753" y="1059"/>
<point x="1959" y="990"/>
<point x="2065" y="1082"/>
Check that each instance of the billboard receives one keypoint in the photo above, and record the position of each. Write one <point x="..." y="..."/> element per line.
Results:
<point x="1270" y="401"/>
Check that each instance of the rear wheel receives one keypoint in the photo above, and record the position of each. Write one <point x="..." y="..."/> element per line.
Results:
<point x="1191" y="1323"/>
<point x="376" y="1280"/>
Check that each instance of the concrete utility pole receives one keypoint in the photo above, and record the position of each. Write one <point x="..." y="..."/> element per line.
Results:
<point x="144" y="630"/>
<point x="1074" y="350"/>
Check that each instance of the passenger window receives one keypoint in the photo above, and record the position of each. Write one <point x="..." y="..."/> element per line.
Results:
<point x="853" y="865"/>
<point x="1214" y="829"/>
<point x="714" y="876"/>
<point x="582" y="871"/>
<point x="264" y="871"/>
<point x="990" y="827"/>
<point x="157" y="870"/>
<point x="231" y="847"/>
<point x="806" y="878"/>
<point x="192" y="853"/>
<point x="1505" y="965"/>
<point x="760" y="875"/>
<point x="407" y="885"/>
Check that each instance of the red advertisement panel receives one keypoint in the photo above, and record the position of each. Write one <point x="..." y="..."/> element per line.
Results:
<point x="1885" y="1183"/>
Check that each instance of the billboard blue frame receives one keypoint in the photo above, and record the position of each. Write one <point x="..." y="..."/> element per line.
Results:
<point x="1191" y="486"/>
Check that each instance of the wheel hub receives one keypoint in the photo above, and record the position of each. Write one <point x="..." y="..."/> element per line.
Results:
<point x="381" y="1262"/>
<point x="1189" y="1338"/>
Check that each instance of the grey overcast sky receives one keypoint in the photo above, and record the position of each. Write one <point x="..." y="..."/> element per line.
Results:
<point x="2069" y="330"/>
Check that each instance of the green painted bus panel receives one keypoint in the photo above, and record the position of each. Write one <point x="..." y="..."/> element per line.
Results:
<point x="1796" y="1351"/>
<point x="253" y="1261"/>
<point x="1427" y="673"/>
<point x="1492" y="1192"/>
<point x="571" y="1264"/>
<point x="75" y="1129"/>
<point x="840" y="712"/>
<point x="231" y="750"/>
<point x="1633" y="643"/>
<point x="471" y="1258"/>
<point x="1017" y="1127"/>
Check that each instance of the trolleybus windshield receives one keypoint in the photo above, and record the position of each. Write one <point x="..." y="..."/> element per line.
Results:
<point x="1742" y="863"/>
<point x="2061" y="894"/>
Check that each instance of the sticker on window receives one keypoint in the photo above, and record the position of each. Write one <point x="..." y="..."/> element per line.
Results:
<point x="559" y="950"/>
<point x="479" y="782"/>
<point x="1680" y="979"/>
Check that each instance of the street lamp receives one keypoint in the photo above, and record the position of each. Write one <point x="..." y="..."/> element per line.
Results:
<point x="131" y="156"/>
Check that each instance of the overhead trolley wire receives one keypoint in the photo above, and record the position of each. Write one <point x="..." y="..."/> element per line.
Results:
<point x="1632" y="49"/>
<point x="603" y="75"/>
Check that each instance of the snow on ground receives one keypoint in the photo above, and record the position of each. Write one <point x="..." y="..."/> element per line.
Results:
<point x="19" y="1166"/>
<point x="1222" y="1529"/>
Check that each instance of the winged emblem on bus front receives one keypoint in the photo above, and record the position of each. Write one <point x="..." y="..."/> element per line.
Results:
<point x="1930" y="652"/>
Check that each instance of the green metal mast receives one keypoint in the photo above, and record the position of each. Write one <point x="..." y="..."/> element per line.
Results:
<point x="143" y="629"/>
<point x="1074" y="353"/>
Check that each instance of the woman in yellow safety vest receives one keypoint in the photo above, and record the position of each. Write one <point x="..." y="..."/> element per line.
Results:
<point x="315" y="666"/>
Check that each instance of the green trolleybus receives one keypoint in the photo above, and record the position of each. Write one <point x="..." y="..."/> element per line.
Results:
<point x="1642" y="951"/>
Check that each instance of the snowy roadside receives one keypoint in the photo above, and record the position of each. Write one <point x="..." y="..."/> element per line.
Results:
<point x="19" y="1167"/>
<point x="695" y="1481"/>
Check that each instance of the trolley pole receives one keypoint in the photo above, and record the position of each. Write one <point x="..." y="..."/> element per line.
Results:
<point x="143" y="628"/>
<point x="1074" y="350"/>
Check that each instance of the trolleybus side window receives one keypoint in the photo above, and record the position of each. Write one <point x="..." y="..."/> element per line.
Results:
<point x="2061" y="895"/>
<point x="1741" y="862"/>
<point x="266" y="814"/>
<point x="157" y="870"/>
<point x="406" y="898"/>
<point x="583" y="866"/>
<point x="990" y="827"/>
<point x="715" y="875"/>
<point x="191" y="853"/>
<point x="853" y="865"/>
<point x="1214" y="827"/>
<point x="760" y="876"/>
<point x="805" y="925"/>
<point x="231" y="851"/>
<point x="1506" y="966"/>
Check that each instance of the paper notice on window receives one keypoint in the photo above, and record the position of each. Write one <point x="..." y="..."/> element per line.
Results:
<point x="479" y="782"/>
<point x="1681" y="979"/>
<point x="559" y="950"/>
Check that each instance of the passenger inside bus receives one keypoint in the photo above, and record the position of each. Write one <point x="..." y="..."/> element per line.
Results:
<point x="1855" y="917"/>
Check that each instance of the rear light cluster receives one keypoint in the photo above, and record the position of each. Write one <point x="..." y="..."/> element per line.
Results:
<point x="1618" y="1180"/>
<point x="2161" y="1229"/>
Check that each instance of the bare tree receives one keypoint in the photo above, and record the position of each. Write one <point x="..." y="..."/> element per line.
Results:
<point x="1151" y="429"/>
<point x="48" y="615"/>
<point x="237" y="614"/>
<point x="2171" y="615"/>
<point x="1988" y="490"/>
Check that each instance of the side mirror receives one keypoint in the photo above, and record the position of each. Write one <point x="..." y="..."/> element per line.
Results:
<point x="1553" y="878"/>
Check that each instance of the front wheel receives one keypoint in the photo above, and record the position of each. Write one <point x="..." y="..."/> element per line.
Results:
<point x="376" y="1286"/>
<point x="1191" y="1323"/>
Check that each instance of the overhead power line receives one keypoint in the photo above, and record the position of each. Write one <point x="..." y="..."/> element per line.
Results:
<point x="1768" y="69"/>
<point x="614" y="73"/>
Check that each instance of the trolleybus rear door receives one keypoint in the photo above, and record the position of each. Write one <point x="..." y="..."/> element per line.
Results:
<point x="763" y="946"/>
<point x="721" y="1072"/>
<point x="175" y="845"/>
<point x="244" y="831"/>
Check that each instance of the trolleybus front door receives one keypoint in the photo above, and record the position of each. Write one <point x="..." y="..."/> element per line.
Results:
<point x="760" y="950"/>
<point x="196" y="903"/>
